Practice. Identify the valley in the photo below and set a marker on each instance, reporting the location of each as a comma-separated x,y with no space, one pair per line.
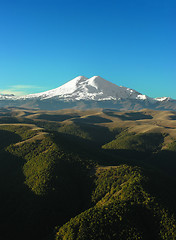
87,174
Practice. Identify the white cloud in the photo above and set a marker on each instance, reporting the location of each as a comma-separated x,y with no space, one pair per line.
20,90
26,87
8,91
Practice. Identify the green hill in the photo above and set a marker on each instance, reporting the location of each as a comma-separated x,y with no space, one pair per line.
85,175
122,210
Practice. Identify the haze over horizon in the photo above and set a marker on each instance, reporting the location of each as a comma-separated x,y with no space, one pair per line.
44,44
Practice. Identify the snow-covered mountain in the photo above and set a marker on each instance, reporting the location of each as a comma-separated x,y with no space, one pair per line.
90,90
82,88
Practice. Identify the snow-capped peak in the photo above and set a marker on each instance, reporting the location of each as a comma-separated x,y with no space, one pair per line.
94,88
82,88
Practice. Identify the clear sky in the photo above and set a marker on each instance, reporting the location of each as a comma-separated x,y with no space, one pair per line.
45,43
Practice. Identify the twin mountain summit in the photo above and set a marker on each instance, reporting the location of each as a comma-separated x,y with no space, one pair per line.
83,93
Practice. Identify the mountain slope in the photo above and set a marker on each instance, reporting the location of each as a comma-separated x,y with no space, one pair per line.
82,88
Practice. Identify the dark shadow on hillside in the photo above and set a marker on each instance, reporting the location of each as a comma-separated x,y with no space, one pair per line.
11,120
98,134
162,161
133,116
7,119
18,204
56,117
5,114
124,156
92,120
173,117
91,151
29,113
49,126
76,144
8,138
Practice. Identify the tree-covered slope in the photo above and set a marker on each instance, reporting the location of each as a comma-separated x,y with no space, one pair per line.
83,177
137,142
41,186
122,209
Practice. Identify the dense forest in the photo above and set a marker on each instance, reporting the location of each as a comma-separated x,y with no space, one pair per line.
82,175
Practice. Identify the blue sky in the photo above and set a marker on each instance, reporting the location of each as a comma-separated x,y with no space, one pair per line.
45,43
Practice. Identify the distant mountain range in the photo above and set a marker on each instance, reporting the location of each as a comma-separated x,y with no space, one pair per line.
82,92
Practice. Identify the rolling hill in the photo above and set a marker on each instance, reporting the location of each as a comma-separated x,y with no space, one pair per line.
87,174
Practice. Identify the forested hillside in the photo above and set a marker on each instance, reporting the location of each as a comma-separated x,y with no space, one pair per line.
97,174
